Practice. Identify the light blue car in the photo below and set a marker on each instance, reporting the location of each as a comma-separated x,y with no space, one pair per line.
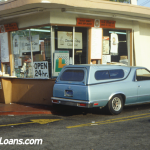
102,85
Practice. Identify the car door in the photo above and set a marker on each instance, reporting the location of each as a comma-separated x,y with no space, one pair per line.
143,84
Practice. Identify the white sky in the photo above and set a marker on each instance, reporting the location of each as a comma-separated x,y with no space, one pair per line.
145,3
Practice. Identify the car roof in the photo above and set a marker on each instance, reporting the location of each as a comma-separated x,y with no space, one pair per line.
105,66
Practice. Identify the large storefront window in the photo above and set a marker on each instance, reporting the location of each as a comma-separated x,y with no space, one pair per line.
31,52
35,49
70,46
116,47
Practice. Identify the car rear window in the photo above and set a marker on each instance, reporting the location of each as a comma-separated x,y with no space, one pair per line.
72,75
109,74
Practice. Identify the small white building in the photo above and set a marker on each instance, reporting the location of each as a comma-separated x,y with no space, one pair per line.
39,37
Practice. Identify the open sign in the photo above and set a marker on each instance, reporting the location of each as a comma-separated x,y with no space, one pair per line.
41,69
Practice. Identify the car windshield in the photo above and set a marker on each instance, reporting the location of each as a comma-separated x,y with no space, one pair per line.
72,75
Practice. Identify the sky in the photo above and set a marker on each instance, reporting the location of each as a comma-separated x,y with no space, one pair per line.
145,3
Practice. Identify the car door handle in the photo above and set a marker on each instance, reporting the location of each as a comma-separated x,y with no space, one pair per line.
139,86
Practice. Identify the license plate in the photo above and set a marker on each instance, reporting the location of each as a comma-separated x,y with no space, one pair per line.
69,93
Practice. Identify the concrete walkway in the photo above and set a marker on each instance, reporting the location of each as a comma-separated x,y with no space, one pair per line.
24,109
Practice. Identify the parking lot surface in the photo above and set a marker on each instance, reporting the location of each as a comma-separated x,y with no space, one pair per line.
77,129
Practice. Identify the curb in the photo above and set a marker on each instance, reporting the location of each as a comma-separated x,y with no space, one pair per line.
25,113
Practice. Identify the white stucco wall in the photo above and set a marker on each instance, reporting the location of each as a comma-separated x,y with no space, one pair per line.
144,45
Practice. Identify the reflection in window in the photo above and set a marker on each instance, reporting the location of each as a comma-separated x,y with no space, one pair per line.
114,74
101,75
72,75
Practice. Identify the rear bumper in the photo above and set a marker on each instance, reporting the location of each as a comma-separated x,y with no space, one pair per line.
72,102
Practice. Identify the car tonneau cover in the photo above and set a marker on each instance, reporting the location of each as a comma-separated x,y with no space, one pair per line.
91,69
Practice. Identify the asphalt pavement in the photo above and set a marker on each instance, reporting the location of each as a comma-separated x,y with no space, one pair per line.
79,129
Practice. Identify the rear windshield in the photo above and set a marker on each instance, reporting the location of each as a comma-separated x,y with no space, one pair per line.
72,75
109,74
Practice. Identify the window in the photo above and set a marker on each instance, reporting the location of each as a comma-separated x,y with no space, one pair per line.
31,46
109,74
102,75
116,47
72,75
142,74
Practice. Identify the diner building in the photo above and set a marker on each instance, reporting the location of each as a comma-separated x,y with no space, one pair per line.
39,37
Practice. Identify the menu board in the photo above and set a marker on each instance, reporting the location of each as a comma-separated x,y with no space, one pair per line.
4,47
96,43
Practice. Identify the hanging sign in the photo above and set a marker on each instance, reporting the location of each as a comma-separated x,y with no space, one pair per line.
41,69
85,22
114,43
4,47
61,59
65,40
107,24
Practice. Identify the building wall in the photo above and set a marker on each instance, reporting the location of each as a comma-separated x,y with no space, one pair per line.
145,44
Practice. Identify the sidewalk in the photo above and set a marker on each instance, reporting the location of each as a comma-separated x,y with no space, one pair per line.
25,109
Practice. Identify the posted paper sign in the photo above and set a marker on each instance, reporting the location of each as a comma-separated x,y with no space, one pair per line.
96,43
105,44
106,59
0,85
26,44
61,59
4,47
16,44
65,40
41,69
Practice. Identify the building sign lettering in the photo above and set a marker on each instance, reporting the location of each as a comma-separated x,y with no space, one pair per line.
107,24
85,22
8,27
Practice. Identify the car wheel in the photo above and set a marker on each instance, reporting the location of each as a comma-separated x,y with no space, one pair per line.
115,105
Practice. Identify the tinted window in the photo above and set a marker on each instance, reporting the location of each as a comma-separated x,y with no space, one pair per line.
109,74
72,75
101,75
116,74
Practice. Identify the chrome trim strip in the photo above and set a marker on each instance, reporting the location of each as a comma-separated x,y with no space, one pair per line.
131,97
70,100
116,94
144,95
137,103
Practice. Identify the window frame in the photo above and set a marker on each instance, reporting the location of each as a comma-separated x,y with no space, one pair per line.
136,74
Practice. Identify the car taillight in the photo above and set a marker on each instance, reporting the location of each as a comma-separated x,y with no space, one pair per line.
81,104
55,101
95,104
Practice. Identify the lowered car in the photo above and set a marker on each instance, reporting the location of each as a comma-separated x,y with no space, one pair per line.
102,85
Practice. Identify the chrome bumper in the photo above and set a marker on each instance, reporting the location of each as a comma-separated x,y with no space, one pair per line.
71,102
